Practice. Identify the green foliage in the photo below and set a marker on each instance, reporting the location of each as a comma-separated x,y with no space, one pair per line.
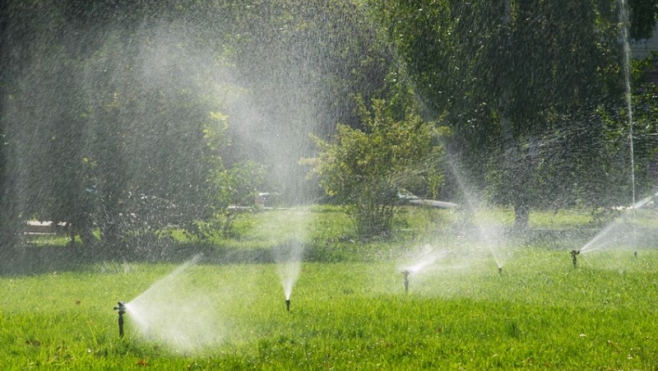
516,83
643,14
149,151
118,134
129,122
301,64
366,170
117,114
238,192
645,129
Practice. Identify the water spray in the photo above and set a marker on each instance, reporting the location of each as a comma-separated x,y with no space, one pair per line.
288,305
574,254
121,307
405,273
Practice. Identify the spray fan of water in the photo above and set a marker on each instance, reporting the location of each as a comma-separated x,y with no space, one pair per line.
437,264
289,260
177,313
621,232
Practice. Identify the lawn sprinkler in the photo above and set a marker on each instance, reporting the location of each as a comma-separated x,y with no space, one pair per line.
574,254
288,305
635,253
405,273
121,307
500,270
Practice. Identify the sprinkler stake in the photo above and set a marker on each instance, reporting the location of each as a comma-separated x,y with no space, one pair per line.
405,273
288,305
635,253
574,253
500,270
121,307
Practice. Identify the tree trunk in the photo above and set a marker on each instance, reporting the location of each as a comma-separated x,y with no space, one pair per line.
521,215
109,225
86,232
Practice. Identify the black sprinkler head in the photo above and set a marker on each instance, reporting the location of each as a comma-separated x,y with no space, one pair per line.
500,270
405,273
288,305
574,254
121,307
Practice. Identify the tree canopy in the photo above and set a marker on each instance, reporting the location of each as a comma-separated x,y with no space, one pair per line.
368,170
126,118
518,82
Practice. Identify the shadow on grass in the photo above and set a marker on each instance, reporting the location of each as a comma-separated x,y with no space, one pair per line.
575,238
31,259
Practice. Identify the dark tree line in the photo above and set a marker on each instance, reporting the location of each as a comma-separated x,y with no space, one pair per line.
534,92
124,118
111,127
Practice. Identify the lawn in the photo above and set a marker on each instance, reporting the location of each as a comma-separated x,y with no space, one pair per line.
459,314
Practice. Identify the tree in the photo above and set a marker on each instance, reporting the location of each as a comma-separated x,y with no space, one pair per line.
27,145
643,15
365,170
8,215
509,76
644,123
157,132
301,64
121,125
238,190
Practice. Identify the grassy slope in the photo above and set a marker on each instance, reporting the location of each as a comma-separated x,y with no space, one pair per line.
540,314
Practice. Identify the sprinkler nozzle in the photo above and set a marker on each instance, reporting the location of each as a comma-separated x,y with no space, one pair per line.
121,307
635,253
500,270
288,305
574,254
405,273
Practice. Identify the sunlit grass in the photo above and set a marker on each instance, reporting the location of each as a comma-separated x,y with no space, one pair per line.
541,313
350,311
50,240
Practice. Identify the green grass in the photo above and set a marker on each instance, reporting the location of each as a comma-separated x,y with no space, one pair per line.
349,309
539,314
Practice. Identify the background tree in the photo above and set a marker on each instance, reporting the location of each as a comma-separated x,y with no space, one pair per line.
127,130
136,116
158,130
301,64
366,170
239,187
643,15
9,215
645,127
510,76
